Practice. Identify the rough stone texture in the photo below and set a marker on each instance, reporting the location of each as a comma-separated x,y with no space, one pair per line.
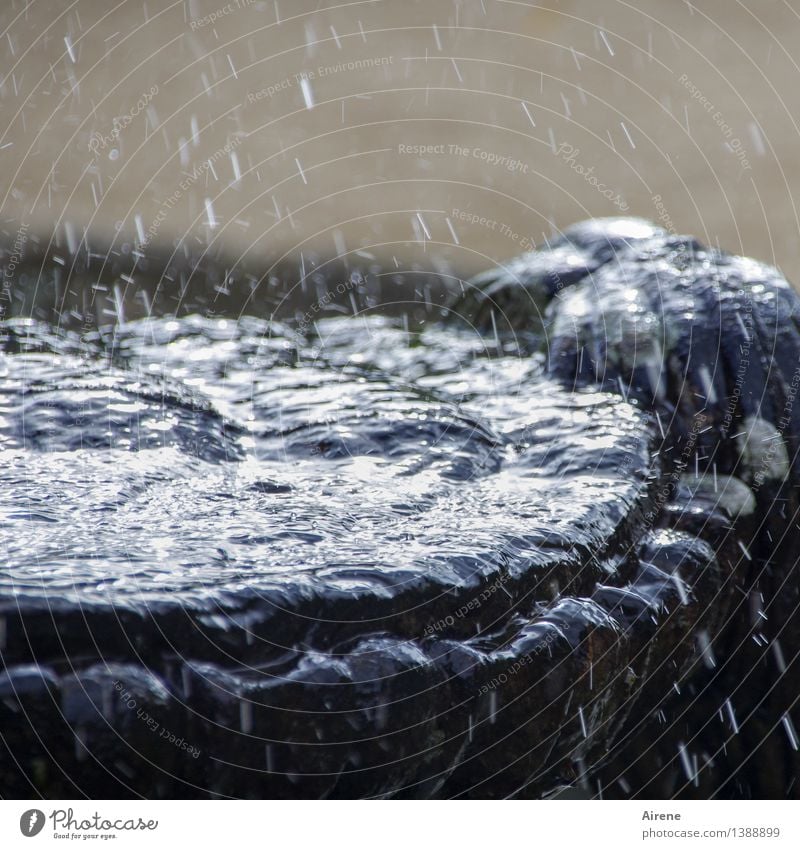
242,563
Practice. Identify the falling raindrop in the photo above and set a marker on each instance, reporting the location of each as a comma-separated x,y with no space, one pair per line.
452,231
210,215
779,659
308,94
605,41
706,649
791,733
732,716
627,135
681,587
70,49
245,716
527,112
685,761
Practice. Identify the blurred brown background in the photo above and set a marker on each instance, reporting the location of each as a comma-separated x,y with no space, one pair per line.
284,127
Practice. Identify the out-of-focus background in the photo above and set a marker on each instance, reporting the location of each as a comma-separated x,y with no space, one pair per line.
455,133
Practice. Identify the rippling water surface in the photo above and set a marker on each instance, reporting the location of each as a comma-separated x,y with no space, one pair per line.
211,459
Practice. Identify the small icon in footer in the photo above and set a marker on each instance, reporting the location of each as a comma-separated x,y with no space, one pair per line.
31,822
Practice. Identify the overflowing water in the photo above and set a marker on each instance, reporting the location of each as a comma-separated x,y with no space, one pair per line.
193,458
492,556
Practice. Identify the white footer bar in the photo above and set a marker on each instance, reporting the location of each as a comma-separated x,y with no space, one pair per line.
400,825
